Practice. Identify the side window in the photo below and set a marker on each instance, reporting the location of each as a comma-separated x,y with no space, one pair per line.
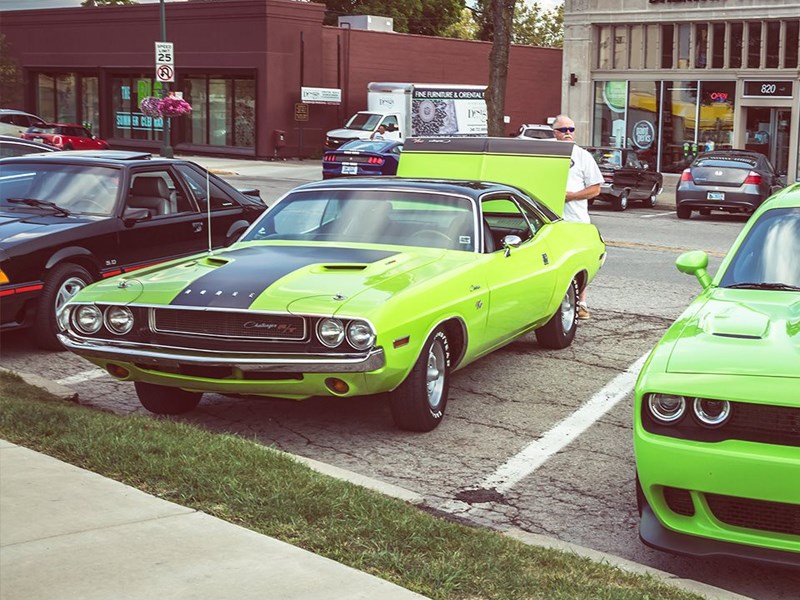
502,217
159,193
631,161
391,123
199,187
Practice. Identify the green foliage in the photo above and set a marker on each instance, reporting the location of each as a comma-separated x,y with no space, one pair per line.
425,17
533,26
269,492
10,76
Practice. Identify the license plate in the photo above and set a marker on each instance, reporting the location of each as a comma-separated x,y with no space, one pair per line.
716,196
349,169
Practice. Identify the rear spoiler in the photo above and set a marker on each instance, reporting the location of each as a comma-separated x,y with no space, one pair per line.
538,167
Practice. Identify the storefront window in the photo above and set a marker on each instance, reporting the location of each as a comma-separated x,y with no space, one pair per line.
792,46
678,118
754,45
773,44
66,108
604,48
735,47
610,100
667,45
46,97
129,122
223,111
684,47
642,120
637,47
718,50
90,104
620,47
701,46
651,48
717,102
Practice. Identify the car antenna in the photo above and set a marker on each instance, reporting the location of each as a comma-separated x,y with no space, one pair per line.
208,209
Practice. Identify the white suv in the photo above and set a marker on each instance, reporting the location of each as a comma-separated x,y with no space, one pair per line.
16,122
536,132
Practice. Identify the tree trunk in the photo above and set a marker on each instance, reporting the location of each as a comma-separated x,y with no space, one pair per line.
502,14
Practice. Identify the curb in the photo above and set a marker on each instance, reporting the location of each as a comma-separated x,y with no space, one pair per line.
532,539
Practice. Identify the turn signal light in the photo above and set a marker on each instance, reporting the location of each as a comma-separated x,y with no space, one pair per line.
337,386
117,371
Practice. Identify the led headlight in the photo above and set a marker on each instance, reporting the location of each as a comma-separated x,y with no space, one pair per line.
119,319
330,332
666,408
360,335
88,318
711,413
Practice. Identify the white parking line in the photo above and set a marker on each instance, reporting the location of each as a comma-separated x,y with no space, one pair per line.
664,214
536,453
82,376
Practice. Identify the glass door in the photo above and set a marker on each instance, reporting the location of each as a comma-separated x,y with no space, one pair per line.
768,133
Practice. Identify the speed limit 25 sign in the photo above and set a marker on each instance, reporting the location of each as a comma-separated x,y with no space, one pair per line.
165,62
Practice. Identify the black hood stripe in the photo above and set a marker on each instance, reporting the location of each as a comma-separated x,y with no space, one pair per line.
252,270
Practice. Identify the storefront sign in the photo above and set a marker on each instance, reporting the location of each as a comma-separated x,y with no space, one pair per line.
768,89
313,95
300,111
677,1
615,95
643,134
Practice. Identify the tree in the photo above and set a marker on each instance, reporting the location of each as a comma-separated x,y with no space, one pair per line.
533,25
502,20
10,76
425,17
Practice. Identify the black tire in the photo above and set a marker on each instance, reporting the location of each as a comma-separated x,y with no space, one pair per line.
418,404
684,213
559,331
652,199
621,201
163,400
61,284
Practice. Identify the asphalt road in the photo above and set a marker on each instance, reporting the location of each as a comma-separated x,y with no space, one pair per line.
475,464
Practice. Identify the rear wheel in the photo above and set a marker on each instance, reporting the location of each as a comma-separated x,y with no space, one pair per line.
61,284
621,201
163,400
559,331
683,212
418,404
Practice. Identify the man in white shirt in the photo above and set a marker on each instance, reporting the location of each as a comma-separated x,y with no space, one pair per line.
583,182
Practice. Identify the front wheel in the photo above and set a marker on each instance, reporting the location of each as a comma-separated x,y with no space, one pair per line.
61,284
559,331
653,198
163,400
621,201
418,404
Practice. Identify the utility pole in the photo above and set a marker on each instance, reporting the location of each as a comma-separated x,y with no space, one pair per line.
166,148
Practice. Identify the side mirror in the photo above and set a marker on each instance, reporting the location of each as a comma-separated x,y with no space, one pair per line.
509,242
695,263
134,215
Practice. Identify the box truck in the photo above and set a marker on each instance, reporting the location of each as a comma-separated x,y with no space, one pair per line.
416,110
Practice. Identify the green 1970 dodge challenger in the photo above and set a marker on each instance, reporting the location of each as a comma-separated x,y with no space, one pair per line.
352,287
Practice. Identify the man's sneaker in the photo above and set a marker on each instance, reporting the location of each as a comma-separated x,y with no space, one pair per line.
583,312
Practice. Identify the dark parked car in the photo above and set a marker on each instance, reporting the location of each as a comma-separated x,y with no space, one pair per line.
735,181
65,136
627,178
362,157
14,146
70,218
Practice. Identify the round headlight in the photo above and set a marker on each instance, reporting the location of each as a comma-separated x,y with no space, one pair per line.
119,319
711,413
666,408
88,318
360,335
330,332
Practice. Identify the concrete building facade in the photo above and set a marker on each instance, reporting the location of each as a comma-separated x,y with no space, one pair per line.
671,78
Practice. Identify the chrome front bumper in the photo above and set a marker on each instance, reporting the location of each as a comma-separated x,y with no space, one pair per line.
141,354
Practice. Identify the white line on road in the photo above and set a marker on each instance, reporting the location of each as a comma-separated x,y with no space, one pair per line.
664,214
82,376
538,452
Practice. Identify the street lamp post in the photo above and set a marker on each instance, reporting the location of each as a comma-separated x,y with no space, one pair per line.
166,148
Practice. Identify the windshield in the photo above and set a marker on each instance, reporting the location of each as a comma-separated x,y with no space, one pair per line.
77,188
769,254
403,218
363,122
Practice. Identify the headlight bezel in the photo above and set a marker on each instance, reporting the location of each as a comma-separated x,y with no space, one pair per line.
75,319
107,319
369,340
701,417
662,417
334,324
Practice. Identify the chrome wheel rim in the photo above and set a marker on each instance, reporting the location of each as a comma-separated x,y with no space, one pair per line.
436,373
568,307
68,289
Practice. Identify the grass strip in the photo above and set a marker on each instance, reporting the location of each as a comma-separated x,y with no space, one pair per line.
246,483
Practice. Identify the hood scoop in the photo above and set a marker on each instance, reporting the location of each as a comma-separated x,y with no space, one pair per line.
736,321
343,267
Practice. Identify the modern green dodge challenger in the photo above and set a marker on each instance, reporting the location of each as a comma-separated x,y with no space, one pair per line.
353,287
717,407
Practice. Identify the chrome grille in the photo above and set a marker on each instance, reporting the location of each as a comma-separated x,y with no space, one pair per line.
226,324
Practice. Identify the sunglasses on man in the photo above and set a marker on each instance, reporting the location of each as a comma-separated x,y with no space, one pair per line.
565,129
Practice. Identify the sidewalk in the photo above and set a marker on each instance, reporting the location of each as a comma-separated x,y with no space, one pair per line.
71,534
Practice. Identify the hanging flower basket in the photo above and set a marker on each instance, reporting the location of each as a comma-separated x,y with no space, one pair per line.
150,106
174,107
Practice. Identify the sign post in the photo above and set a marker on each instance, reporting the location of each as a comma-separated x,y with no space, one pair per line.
165,73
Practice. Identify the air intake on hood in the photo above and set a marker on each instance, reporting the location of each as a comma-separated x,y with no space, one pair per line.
344,267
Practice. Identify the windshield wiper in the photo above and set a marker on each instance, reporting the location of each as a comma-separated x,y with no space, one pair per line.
763,286
40,204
